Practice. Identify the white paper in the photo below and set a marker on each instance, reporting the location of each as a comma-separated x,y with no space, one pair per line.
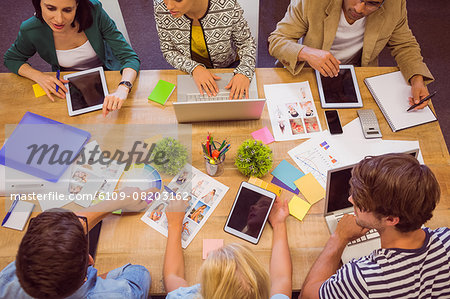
19,216
292,111
198,188
325,151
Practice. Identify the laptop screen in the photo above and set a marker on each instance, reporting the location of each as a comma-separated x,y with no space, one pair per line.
338,189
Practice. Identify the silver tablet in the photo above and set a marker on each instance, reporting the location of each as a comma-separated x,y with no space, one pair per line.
341,91
249,213
87,91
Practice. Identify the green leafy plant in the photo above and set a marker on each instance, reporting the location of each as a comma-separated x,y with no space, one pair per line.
254,158
175,155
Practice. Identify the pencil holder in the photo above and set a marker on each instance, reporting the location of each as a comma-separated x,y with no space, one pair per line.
214,167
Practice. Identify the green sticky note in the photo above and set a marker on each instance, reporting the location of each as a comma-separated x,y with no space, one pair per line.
161,92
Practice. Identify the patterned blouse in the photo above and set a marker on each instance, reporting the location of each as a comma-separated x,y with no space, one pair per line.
226,32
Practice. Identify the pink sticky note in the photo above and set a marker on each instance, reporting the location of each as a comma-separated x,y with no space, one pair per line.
211,245
264,135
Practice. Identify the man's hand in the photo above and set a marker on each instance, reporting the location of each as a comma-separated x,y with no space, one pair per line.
320,60
114,101
280,209
348,230
132,199
238,86
206,80
419,91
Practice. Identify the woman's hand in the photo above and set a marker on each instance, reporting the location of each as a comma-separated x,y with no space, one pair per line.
114,101
238,86
206,80
49,83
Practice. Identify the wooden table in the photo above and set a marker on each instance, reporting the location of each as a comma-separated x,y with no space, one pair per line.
126,239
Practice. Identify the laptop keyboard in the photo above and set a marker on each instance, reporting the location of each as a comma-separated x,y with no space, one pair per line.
197,97
371,234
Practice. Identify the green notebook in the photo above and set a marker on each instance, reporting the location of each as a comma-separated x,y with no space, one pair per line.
161,92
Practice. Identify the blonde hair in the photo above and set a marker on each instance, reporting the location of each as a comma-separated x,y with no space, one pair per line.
233,272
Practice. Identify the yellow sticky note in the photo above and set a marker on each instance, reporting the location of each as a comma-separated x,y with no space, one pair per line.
38,91
298,207
310,188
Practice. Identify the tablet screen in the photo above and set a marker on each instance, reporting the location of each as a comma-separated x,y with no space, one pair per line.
249,213
339,89
86,91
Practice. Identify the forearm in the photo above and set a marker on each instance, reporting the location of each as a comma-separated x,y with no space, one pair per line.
173,271
324,267
280,262
29,72
96,213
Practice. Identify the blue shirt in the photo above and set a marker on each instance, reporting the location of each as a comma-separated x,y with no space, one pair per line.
129,281
192,292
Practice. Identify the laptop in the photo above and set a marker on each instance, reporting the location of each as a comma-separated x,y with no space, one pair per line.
191,106
337,205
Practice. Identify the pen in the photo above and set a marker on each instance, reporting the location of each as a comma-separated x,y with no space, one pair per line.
10,210
422,100
58,73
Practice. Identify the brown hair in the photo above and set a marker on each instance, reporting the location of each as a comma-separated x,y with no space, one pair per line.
395,185
53,258
83,14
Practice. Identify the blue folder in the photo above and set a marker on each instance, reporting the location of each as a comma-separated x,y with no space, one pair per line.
42,147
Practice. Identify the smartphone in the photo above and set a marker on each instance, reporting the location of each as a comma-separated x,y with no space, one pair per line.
333,121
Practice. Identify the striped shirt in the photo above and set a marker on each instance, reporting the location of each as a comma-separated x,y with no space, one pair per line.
396,273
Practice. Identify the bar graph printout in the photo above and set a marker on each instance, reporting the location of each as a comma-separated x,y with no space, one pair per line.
316,156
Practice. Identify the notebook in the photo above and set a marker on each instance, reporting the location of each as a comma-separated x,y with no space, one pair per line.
162,91
19,215
42,147
391,93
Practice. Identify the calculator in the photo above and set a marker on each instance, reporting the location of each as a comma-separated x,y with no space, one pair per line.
369,123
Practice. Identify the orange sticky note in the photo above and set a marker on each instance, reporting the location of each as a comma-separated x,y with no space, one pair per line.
298,207
268,186
310,188
38,91
211,245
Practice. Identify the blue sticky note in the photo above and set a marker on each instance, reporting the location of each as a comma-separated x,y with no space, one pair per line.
287,173
283,185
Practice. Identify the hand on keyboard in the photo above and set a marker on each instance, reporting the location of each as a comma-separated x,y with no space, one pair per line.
205,80
348,230
238,87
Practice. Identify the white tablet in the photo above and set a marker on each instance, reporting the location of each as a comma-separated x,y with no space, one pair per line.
249,213
341,91
87,91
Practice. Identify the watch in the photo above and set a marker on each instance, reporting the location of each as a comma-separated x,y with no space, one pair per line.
127,84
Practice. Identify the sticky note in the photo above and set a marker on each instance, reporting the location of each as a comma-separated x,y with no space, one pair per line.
264,135
287,173
38,91
310,188
162,91
267,186
298,207
279,183
211,245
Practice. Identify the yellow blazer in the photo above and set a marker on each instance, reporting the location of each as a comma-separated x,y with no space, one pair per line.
317,22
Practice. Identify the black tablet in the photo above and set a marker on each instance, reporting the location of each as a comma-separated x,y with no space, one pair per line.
87,91
249,213
341,91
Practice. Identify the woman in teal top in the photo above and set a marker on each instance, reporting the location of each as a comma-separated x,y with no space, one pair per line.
74,32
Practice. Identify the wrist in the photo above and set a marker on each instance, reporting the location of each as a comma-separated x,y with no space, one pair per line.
338,240
303,54
124,89
416,79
